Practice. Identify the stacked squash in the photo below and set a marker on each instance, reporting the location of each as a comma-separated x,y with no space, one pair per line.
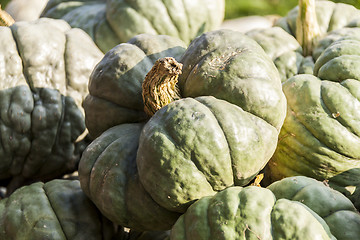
43,81
320,135
179,131
116,21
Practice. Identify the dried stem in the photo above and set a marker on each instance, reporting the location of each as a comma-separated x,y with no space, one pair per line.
5,18
159,87
307,27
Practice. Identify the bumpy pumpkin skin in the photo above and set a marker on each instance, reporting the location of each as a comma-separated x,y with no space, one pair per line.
320,135
55,210
109,177
293,208
43,80
194,146
112,22
115,84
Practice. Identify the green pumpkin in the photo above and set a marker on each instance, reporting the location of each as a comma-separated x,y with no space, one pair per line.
116,21
293,208
57,210
221,133
280,42
43,80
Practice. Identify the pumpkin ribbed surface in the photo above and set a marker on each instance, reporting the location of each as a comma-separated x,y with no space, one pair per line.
116,21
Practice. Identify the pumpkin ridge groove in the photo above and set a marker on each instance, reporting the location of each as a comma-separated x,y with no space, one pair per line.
327,110
309,161
142,15
54,211
172,20
225,137
190,154
339,119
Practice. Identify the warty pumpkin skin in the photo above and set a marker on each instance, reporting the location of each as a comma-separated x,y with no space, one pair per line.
116,21
57,210
293,208
216,136
320,135
43,80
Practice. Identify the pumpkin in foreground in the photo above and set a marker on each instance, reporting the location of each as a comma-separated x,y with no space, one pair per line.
43,81
116,21
293,208
56,210
220,132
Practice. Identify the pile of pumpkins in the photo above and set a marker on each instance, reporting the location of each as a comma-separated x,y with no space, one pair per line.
178,129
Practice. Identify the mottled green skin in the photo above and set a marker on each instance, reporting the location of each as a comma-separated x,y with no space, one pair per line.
221,133
43,80
116,21
231,66
56,210
198,146
293,208
320,137
249,213
284,50
109,177
337,211
115,92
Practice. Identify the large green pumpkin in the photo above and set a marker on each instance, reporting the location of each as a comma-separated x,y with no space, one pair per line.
56,210
116,21
293,208
221,133
44,71
320,135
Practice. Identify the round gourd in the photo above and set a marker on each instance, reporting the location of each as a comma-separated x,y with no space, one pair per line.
320,135
43,80
116,21
294,208
57,210
220,133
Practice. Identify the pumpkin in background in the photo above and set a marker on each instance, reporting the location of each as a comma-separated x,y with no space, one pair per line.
43,80
25,10
116,21
320,137
281,44
57,209
293,208
220,133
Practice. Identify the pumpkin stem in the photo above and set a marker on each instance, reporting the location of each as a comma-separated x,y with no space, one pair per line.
307,27
159,87
5,18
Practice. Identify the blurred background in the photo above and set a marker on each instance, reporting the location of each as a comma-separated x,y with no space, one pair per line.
239,8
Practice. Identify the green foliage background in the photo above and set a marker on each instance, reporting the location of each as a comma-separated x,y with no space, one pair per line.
238,8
